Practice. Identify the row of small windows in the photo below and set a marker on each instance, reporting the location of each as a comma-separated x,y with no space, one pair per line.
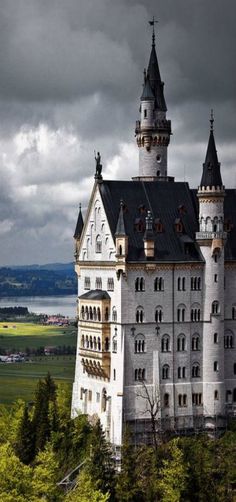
89,313
94,343
196,398
195,313
181,343
98,283
181,371
139,374
159,284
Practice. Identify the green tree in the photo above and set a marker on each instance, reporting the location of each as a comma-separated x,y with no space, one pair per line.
85,491
15,477
100,465
45,477
24,447
173,474
126,485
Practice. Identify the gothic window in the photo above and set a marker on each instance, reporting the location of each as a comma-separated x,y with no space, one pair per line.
87,342
139,344
90,313
114,344
139,284
166,400
99,343
158,314
215,308
114,314
139,374
216,395
181,343
195,342
94,313
181,372
165,372
181,313
165,343
228,341
106,314
234,312
215,337
87,283
178,226
94,343
182,400
216,366
195,314
181,283
98,283
195,370
159,284
107,344
98,244
99,314
195,283
197,399
82,341
158,226
82,312
110,284
90,342
139,315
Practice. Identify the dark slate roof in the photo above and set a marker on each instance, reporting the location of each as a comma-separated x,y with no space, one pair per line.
95,294
163,199
147,91
155,81
79,225
211,168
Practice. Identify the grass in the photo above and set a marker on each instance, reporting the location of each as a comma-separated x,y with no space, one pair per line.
19,335
18,380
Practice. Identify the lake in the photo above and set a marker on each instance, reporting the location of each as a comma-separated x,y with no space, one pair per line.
64,305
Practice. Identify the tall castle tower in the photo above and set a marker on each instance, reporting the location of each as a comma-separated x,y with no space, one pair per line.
153,130
211,239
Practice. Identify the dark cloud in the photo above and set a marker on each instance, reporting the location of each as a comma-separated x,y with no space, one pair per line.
70,82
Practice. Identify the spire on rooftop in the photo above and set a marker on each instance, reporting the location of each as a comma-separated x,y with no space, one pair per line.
211,175
154,74
120,227
79,225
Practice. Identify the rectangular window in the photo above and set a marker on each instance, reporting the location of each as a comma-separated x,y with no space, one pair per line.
110,284
81,393
87,283
98,397
90,395
98,283
215,278
114,374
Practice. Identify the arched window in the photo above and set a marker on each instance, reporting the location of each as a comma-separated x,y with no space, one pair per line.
107,344
181,283
82,341
158,314
139,284
86,313
87,342
159,284
99,314
165,372
90,313
195,342
139,374
228,340
139,344
216,395
182,400
139,315
94,313
106,314
99,343
94,343
216,366
195,370
98,244
215,308
181,313
165,343
181,372
215,337
82,312
181,343
195,314
166,400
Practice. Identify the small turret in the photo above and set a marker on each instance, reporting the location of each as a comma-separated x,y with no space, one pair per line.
153,130
121,241
211,175
78,231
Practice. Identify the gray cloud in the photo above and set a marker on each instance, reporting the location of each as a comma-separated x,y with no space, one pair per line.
70,82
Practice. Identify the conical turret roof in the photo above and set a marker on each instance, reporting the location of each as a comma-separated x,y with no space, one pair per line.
79,225
155,80
120,227
211,175
147,90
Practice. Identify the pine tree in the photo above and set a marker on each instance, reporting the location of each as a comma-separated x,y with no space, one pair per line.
126,486
24,447
101,464
40,422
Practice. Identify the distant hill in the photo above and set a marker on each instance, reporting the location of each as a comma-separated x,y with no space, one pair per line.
38,280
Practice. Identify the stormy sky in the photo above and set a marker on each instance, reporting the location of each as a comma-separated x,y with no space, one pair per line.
70,81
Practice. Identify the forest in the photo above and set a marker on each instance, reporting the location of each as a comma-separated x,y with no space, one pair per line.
40,445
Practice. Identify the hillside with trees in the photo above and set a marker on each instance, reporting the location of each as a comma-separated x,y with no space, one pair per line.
43,445
45,280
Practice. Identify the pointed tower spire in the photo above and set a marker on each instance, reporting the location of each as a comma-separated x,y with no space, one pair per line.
120,227
211,175
79,225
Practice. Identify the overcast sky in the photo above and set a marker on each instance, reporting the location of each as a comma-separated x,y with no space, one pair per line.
70,81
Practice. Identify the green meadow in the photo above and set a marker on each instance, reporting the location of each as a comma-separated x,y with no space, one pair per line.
18,380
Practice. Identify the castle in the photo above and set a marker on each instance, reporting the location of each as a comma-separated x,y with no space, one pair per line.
156,266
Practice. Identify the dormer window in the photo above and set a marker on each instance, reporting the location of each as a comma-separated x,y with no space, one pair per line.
139,225
227,225
158,226
178,226
98,244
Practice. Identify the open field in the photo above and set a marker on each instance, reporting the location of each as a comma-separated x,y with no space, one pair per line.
19,335
18,380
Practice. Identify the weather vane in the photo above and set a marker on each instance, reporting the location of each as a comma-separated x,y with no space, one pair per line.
152,23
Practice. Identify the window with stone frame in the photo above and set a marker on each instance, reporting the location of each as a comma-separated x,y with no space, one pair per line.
197,399
181,343
165,343
228,340
158,314
87,283
110,284
195,283
140,284
195,342
215,308
181,283
98,283
196,370
139,344
139,315
159,284
195,314
181,313
166,400
181,372
139,374
165,372
216,366
98,246
182,400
